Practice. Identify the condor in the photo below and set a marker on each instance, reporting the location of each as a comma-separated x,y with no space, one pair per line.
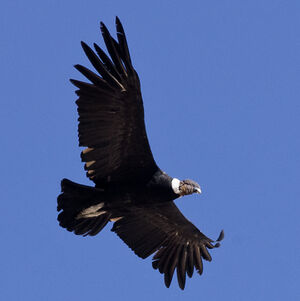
130,189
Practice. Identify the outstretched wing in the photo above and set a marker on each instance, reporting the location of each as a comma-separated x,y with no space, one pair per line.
111,115
164,230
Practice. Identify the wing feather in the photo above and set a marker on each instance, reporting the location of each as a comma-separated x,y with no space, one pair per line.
94,78
164,231
190,261
171,267
111,115
124,46
100,67
107,62
115,56
198,260
181,268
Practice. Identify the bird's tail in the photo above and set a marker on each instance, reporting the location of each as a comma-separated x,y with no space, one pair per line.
83,209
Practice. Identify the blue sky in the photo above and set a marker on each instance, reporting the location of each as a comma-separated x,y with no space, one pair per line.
220,82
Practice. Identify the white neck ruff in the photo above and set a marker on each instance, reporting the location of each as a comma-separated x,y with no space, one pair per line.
175,185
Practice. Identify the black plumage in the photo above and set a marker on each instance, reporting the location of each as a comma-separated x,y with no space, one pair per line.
130,189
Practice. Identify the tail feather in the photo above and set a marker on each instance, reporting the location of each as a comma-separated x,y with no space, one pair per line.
82,209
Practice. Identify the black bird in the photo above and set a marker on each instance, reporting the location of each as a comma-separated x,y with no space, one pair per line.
130,189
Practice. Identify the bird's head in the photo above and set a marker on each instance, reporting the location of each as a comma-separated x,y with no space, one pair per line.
185,187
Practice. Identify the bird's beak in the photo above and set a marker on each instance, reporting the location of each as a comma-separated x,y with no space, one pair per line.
198,190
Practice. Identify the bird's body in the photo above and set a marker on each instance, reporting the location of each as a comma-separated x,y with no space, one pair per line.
130,189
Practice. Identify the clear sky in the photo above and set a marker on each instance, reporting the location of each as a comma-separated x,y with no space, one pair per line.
220,82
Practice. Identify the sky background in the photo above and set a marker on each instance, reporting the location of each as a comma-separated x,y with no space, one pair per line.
220,82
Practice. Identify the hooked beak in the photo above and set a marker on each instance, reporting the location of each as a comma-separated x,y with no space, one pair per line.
198,190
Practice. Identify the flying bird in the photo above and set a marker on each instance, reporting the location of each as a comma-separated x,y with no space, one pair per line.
130,189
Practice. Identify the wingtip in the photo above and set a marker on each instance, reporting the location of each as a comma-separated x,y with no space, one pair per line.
72,81
119,24
86,48
83,44
181,279
181,286
103,27
167,280
221,236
